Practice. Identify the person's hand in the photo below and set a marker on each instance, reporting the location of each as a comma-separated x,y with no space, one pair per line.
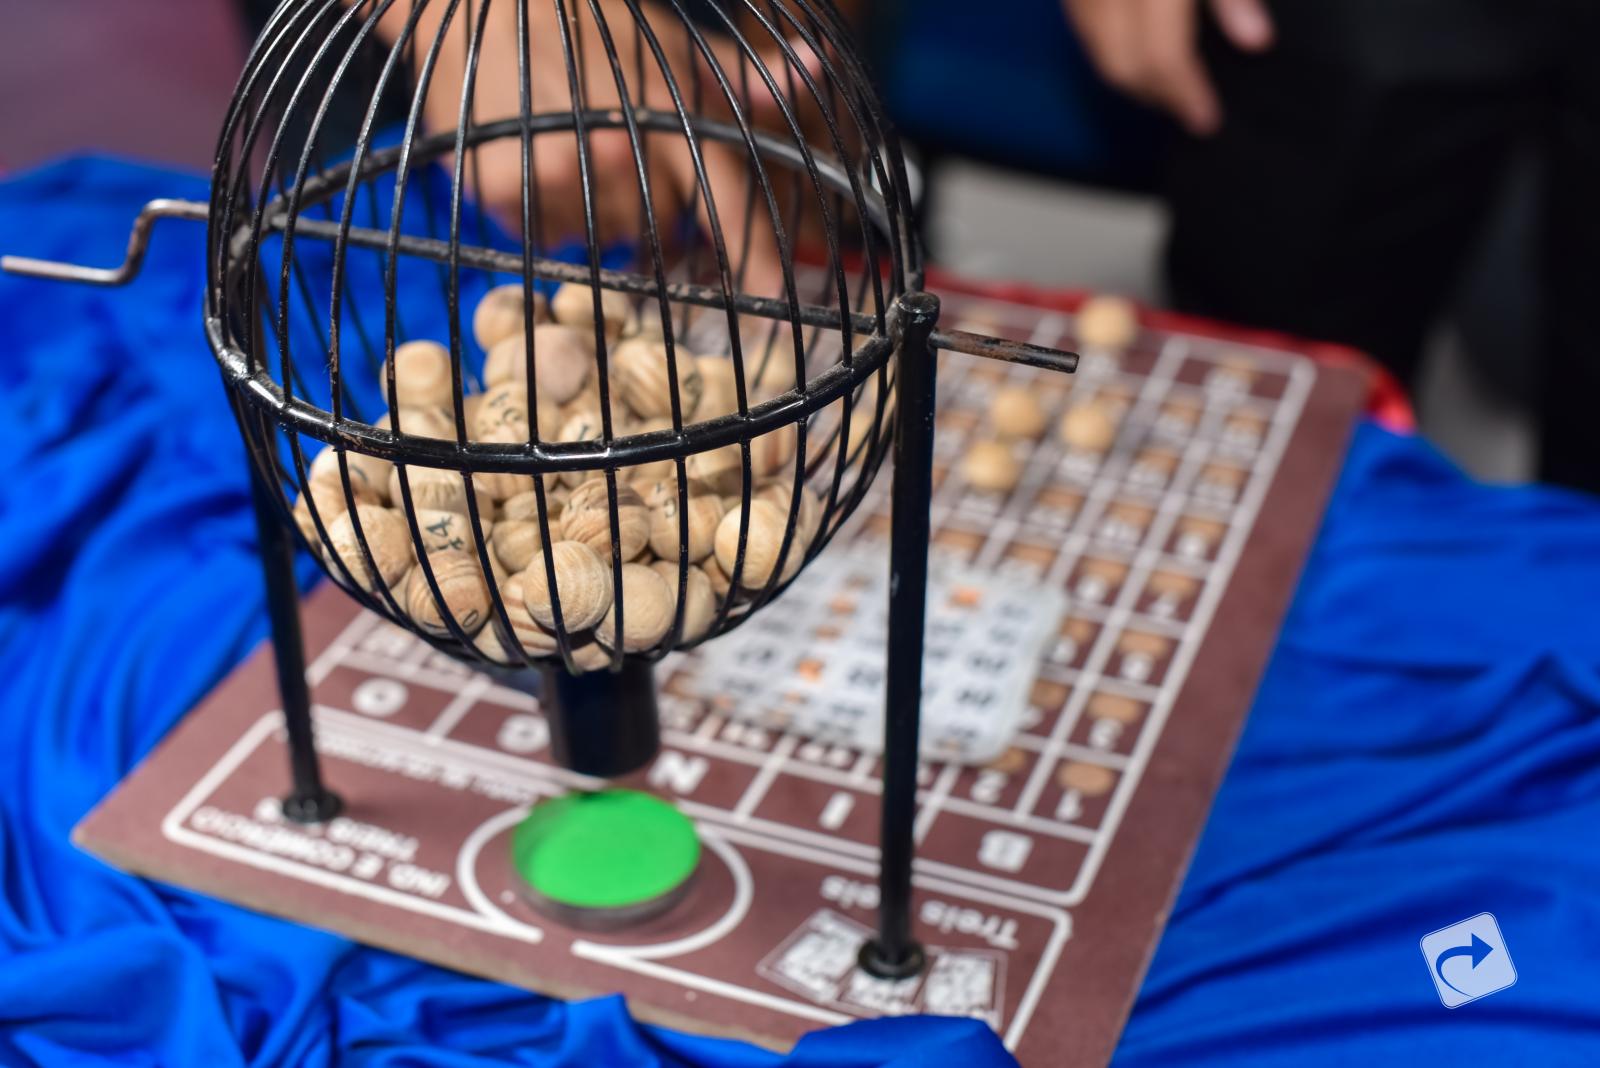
495,168
1148,48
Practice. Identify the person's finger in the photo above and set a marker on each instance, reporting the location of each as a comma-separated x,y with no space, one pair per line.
1246,23
1175,75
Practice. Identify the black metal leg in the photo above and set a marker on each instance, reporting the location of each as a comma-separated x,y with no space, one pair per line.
309,801
894,954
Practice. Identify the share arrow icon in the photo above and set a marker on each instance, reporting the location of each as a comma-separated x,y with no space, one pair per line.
1489,969
1478,950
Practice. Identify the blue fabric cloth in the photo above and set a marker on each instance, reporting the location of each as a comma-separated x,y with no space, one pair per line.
1423,749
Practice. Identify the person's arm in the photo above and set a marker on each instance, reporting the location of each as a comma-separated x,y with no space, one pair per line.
1149,49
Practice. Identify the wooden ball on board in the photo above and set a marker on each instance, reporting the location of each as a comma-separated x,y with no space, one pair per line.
461,586
647,611
500,314
573,305
562,362
704,512
1088,427
763,541
699,600
1107,323
422,375
583,581
587,518
639,374
1015,412
387,537
991,466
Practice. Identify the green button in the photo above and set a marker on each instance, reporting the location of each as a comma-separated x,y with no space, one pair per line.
611,849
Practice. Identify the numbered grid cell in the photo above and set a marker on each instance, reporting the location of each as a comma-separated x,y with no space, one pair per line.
1124,525
1054,509
1220,485
1196,538
1097,580
1047,861
1151,470
958,543
1077,792
1242,434
838,810
1028,559
1045,701
1228,380
1169,595
1176,421
999,783
1141,657
402,702
1075,639
1110,723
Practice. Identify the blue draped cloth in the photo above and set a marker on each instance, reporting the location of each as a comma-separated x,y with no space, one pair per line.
1423,749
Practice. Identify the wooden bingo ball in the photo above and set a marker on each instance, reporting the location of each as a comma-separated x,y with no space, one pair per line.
1015,412
763,542
438,490
647,611
499,314
770,452
587,518
387,537
573,305
534,639
562,362
461,587
991,466
516,543
442,529
639,373
369,475
704,512
721,469
1107,323
422,375
1088,780
583,581
699,600
719,392
429,422
1088,427
780,493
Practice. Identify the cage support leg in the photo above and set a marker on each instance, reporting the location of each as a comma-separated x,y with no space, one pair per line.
894,954
309,801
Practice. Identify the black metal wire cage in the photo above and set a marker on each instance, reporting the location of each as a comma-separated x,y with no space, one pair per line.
715,364
566,332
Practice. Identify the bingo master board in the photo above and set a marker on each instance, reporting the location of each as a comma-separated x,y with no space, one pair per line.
1096,636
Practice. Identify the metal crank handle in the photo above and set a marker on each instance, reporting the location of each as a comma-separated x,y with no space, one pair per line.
138,242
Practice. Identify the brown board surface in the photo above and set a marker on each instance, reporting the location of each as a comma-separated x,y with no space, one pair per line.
1043,880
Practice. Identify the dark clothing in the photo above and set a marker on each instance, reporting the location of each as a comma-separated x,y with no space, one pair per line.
1359,160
